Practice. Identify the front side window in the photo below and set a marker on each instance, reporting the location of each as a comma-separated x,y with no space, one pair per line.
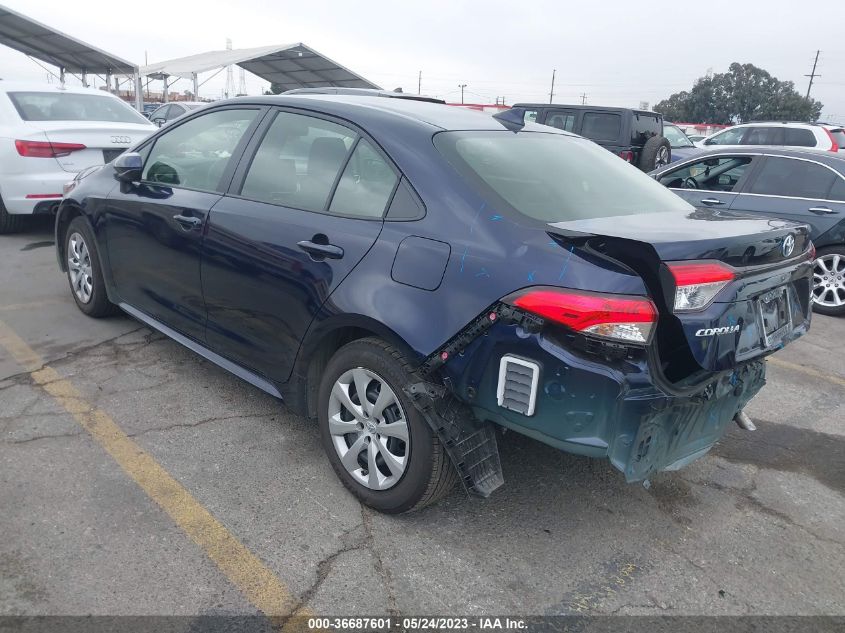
793,178
561,120
366,185
601,126
553,177
731,136
194,155
710,174
69,106
298,161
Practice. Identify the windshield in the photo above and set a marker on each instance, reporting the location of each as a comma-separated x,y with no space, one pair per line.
68,106
553,177
676,136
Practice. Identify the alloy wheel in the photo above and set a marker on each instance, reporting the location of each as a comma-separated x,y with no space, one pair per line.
829,280
79,268
369,429
662,157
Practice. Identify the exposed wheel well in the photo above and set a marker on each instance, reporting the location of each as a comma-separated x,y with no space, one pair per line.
307,379
63,220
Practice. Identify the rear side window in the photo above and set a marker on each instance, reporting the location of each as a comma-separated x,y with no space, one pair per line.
553,177
795,178
798,137
732,136
530,116
67,106
601,126
194,155
366,185
763,136
298,161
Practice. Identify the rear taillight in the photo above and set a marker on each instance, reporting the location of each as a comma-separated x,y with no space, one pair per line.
834,146
627,155
698,283
619,317
45,149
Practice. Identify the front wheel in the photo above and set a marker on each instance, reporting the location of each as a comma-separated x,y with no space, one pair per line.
379,445
829,281
84,274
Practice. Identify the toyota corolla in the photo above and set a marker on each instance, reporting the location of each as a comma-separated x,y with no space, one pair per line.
414,276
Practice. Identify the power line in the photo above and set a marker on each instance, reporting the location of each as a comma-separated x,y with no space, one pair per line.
813,74
552,93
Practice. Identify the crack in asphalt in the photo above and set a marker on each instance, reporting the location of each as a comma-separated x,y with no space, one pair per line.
380,567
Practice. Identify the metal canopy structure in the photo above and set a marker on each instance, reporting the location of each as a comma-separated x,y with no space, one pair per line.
291,66
54,47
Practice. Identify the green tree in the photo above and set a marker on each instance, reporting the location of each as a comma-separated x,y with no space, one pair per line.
744,93
276,89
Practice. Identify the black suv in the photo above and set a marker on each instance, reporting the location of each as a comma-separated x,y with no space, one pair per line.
634,135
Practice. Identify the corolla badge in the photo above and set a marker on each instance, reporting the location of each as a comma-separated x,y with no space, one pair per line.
788,245
714,331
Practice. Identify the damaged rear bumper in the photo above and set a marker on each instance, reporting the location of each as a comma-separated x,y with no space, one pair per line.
600,402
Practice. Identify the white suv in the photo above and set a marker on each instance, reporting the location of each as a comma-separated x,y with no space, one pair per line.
808,135
48,134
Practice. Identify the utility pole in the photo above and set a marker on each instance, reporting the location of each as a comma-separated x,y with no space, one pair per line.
583,98
419,83
462,86
552,92
813,74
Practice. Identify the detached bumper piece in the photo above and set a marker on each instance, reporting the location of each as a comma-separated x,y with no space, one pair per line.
471,444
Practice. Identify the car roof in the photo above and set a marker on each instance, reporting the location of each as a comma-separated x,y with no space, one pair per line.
831,159
24,86
423,113
584,107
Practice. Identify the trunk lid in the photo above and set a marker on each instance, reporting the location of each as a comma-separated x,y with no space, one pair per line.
103,141
765,306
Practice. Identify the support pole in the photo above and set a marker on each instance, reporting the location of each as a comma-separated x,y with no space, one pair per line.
62,76
164,93
196,87
84,79
139,94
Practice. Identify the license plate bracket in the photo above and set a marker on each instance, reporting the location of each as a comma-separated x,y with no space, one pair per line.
775,314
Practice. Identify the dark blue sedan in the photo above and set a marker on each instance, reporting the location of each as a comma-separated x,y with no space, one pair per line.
413,275
802,185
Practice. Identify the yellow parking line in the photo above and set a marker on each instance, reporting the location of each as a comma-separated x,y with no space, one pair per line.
810,371
258,584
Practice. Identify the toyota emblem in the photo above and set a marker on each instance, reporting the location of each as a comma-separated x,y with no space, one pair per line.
788,245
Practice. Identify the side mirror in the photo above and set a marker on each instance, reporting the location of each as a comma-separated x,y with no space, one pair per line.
158,122
128,166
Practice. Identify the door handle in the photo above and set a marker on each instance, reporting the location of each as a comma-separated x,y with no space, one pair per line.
822,210
319,251
711,201
188,222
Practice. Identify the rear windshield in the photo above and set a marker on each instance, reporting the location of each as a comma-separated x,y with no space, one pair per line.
553,177
65,106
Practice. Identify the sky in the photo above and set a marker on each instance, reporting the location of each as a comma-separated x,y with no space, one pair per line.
607,53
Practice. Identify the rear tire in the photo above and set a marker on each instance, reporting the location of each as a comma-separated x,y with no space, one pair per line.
656,152
410,473
84,275
829,281
11,223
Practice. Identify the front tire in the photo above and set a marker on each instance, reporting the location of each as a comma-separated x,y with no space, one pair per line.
829,281
84,275
380,446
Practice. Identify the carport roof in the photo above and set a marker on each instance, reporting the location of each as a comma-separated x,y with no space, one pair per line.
291,66
54,47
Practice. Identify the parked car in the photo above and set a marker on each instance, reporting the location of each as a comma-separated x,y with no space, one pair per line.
169,111
413,275
800,185
634,135
682,146
807,135
49,133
